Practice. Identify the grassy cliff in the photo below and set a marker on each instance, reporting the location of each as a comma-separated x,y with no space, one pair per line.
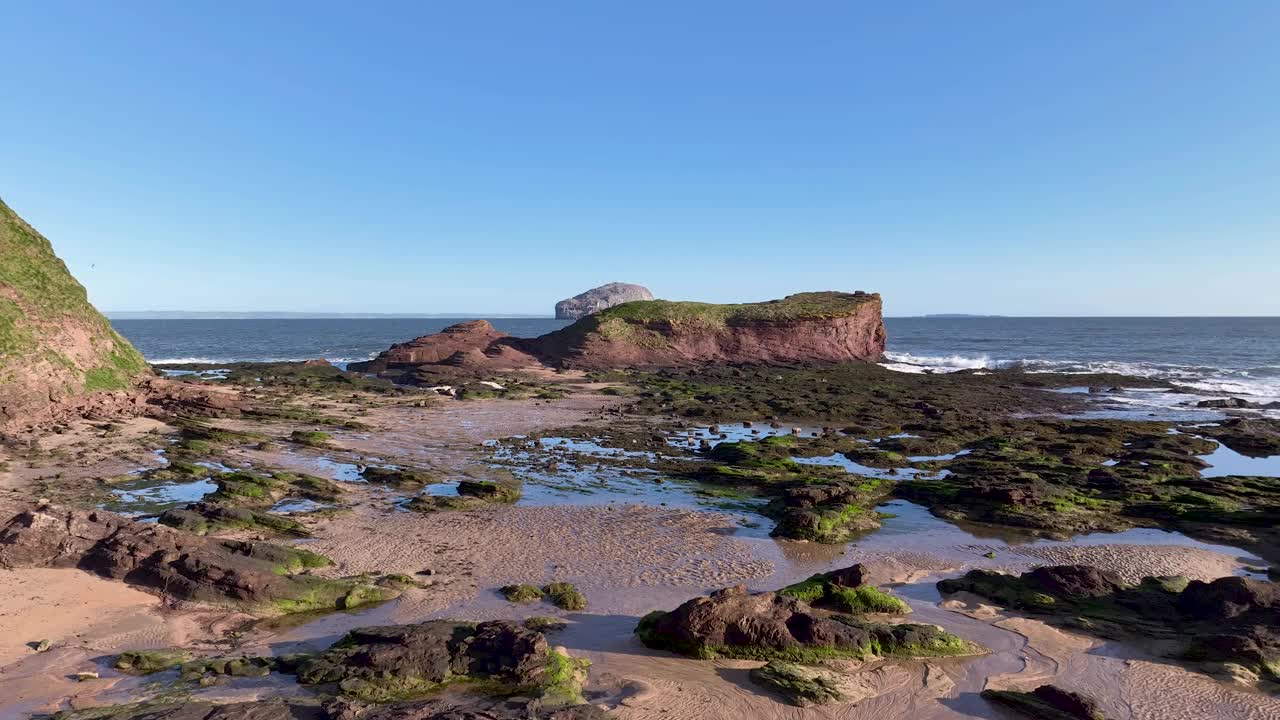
805,327
53,344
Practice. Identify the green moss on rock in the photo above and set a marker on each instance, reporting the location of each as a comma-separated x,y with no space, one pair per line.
565,596
521,593
146,662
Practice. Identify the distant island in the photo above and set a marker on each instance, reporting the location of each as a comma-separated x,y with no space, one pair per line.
961,315
269,315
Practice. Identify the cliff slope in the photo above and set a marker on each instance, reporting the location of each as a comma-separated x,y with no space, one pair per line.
597,299
800,328
54,346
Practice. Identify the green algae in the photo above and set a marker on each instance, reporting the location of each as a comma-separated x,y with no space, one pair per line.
565,596
521,593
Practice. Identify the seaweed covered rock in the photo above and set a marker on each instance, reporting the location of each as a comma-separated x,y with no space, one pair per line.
1048,702
1254,437
768,625
472,494
400,477
845,590
382,664
1230,620
565,596
801,685
243,500
146,662
254,575
832,513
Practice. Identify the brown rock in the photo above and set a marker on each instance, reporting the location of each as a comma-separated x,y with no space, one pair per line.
166,561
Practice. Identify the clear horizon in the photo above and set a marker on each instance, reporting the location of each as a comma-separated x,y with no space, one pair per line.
1082,160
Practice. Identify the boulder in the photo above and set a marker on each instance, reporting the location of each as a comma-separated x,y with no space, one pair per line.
597,299
379,664
769,625
1076,581
1048,702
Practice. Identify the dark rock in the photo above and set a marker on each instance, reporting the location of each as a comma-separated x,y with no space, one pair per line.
768,625
1229,598
1224,403
243,573
1071,703
1048,702
1084,581
379,664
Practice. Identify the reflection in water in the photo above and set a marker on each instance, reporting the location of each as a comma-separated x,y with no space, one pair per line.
1225,461
152,497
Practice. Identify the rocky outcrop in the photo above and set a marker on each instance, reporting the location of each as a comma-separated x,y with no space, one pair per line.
770,625
597,299
384,663
830,327
475,343
803,328
54,346
253,575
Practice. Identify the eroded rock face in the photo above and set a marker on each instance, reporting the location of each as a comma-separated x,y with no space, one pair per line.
814,327
54,346
597,299
768,625
821,327
154,557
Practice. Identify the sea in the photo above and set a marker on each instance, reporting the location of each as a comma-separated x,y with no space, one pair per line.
1207,357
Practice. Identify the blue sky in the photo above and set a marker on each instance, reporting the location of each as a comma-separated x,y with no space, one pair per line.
1026,158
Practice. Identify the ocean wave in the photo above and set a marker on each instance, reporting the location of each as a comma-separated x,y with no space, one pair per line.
1260,383
941,363
224,360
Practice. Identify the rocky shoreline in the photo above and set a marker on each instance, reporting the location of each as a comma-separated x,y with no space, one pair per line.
949,444
665,509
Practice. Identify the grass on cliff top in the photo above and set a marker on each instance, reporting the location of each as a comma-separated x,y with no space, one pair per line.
792,307
36,289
